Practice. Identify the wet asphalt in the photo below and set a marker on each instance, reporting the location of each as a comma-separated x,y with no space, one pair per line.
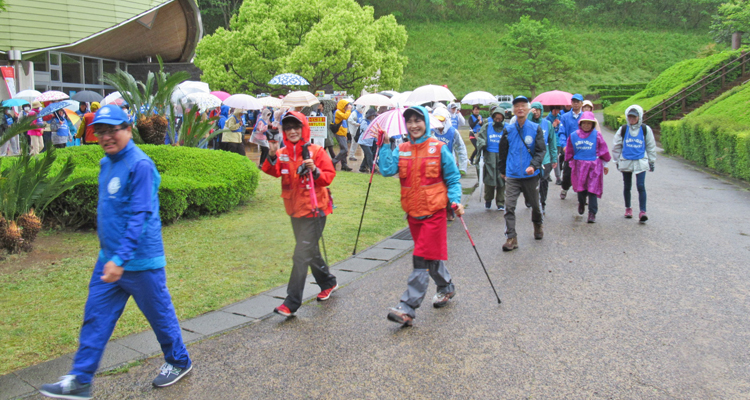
615,309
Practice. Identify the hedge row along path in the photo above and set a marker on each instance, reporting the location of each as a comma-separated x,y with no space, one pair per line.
613,310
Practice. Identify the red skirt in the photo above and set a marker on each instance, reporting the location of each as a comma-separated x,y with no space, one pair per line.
430,236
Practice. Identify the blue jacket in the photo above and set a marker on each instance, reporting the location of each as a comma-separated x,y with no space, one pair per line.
388,161
128,221
223,115
569,125
514,155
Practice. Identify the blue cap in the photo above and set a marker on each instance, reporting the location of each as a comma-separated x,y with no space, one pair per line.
519,99
110,115
577,97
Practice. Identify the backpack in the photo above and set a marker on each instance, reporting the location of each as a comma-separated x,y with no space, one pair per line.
624,127
333,126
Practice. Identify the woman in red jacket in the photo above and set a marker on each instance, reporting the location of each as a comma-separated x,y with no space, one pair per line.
307,223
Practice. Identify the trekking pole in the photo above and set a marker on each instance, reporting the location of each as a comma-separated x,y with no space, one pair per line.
313,196
481,177
480,258
367,196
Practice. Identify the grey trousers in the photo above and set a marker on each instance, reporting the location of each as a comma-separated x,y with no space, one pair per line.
343,151
419,279
307,232
513,189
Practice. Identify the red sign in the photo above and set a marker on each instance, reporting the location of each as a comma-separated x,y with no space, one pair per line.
9,76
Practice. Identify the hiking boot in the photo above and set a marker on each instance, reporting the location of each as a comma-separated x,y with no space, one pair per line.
441,299
642,217
352,158
538,232
283,310
345,167
326,294
510,244
581,208
400,317
563,194
501,207
628,212
592,218
169,374
67,388
558,182
487,205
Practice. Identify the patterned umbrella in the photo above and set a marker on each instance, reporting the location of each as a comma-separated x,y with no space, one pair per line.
288,80
28,95
221,95
392,122
243,102
52,95
300,99
204,101
54,107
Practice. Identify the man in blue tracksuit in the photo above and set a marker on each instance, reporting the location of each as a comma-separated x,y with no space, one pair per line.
522,150
569,124
131,261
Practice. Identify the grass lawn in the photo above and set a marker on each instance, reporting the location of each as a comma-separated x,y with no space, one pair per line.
212,262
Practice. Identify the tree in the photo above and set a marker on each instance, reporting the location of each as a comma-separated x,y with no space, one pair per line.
329,42
532,55
216,13
731,17
3,6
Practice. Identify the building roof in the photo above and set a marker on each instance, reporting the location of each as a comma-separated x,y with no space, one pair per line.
131,30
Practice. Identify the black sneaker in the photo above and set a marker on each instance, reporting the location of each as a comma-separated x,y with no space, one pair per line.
501,207
67,388
169,374
487,205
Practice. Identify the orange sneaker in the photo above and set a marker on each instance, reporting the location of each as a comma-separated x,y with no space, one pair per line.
283,310
326,294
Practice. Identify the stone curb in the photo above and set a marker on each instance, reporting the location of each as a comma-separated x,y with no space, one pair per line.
26,382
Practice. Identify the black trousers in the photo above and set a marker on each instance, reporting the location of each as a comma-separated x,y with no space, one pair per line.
544,184
307,233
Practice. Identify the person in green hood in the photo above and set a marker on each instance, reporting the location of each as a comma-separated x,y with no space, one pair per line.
488,146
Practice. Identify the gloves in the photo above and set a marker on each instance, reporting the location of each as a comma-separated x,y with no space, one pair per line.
651,167
381,137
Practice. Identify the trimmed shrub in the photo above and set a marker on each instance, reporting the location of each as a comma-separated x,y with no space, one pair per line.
194,182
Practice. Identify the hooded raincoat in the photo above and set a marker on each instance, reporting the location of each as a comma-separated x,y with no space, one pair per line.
294,189
640,142
342,117
587,174
491,156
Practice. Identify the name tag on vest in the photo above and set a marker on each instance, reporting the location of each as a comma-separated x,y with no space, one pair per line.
404,153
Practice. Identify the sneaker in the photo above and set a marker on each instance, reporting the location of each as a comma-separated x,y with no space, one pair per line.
510,244
169,375
345,168
642,217
400,317
538,231
581,208
501,207
592,218
563,194
283,310
352,158
488,205
528,205
326,294
628,212
558,182
441,299
67,388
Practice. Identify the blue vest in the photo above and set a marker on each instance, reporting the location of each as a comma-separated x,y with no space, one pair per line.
476,127
63,129
8,119
114,210
519,157
569,125
584,149
448,136
241,127
454,120
633,148
493,139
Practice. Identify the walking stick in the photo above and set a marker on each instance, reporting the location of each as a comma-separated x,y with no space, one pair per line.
481,176
367,196
480,258
313,196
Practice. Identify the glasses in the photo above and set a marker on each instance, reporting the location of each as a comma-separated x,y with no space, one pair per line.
107,132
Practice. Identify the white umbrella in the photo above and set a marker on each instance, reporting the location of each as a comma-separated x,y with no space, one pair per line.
375,100
300,99
188,87
28,95
112,98
270,101
204,101
480,98
400,99
389,93
243,102
430,93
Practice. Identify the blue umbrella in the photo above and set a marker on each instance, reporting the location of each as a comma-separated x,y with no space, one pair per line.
14,103
55,106
288,80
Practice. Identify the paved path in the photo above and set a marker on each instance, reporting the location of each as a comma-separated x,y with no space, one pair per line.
614,309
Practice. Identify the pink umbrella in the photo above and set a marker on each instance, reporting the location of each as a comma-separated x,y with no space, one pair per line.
221,95
52,95
554,98
392,122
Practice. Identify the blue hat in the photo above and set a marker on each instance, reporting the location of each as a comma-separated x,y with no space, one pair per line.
577,97
519,99
110,115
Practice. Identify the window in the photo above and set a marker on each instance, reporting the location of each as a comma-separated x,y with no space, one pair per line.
54,59
110,67
55,75
39,60
71,68
91,71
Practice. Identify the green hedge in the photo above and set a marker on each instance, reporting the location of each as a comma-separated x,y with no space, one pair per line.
194,182
621,86
716,142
